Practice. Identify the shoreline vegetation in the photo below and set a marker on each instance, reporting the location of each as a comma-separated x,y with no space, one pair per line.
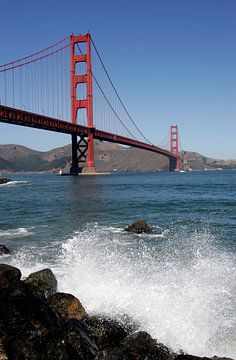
39,323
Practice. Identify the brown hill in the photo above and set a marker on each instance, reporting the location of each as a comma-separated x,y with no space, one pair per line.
108,157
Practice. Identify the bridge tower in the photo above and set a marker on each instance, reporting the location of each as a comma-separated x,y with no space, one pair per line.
82,151
174,147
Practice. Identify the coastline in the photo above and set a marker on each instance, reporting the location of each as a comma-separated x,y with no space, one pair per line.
37,322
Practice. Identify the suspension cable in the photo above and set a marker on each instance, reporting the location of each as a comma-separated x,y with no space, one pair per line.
111,107
34,60
36,53
104,68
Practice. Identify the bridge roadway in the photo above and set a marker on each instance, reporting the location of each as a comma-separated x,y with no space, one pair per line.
24,118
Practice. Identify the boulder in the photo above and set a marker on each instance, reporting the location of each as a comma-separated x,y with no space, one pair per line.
184,356
67,306
140,226
106,332
4,180
42,283
66,342
139,346
31,329
3,355
4,250
9,276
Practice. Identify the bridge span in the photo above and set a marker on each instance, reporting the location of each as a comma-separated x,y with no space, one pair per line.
61,91
24,118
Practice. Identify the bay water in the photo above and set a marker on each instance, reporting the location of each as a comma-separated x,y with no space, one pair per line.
178,283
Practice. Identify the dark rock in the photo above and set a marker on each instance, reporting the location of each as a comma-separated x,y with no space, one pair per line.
9,275
140,226
4,180
115,353
192,357
67,306
3,355
106,332
139,346
42,283
66,342
4,250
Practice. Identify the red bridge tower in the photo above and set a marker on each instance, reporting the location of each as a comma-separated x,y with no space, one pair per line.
82,151
174,147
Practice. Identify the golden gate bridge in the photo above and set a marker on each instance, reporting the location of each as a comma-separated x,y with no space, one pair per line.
66,88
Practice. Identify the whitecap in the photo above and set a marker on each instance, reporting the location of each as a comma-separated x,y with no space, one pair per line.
18,232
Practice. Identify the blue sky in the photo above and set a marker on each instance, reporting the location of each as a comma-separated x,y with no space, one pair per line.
172,61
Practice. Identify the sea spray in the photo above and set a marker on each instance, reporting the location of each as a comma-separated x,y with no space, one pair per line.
180,288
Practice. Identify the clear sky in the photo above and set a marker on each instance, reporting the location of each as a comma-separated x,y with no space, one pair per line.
172,61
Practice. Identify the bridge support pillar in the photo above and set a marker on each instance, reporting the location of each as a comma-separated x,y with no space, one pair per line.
79,155
172,164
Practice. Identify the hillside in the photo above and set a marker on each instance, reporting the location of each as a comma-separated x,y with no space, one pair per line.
16,158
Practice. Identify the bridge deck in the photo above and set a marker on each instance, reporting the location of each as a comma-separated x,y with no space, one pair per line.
25,118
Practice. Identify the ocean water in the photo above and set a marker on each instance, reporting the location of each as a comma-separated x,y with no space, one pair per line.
179,285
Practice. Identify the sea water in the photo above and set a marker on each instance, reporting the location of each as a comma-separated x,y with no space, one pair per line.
177,283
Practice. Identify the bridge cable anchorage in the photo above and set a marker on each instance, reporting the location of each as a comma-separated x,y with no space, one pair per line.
111,107
36,53
122,104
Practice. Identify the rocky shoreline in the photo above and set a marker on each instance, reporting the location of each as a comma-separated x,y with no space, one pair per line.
39,323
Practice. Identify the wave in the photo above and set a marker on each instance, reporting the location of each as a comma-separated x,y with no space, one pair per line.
17,232
180,289
16,182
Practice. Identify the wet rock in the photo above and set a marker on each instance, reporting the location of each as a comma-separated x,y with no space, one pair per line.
4,250
139,346
106,332
184,356
9,275
42,283
4,180
66,342
69,342
140,226
3,355
67,306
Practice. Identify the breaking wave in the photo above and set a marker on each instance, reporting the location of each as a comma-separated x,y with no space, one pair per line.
180,286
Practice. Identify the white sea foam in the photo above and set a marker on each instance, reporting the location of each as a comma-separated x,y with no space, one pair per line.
180,289
16,182
182,293
22,231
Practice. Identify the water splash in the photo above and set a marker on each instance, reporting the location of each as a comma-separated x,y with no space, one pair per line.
179,287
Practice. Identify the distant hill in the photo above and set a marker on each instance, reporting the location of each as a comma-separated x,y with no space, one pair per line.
108,157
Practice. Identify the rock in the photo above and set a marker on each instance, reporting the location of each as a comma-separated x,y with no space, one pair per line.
9,275
4,180
140,226
67,306
4,250
68,342
42,283
31,329
106,332
3,355
184,356
139,346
